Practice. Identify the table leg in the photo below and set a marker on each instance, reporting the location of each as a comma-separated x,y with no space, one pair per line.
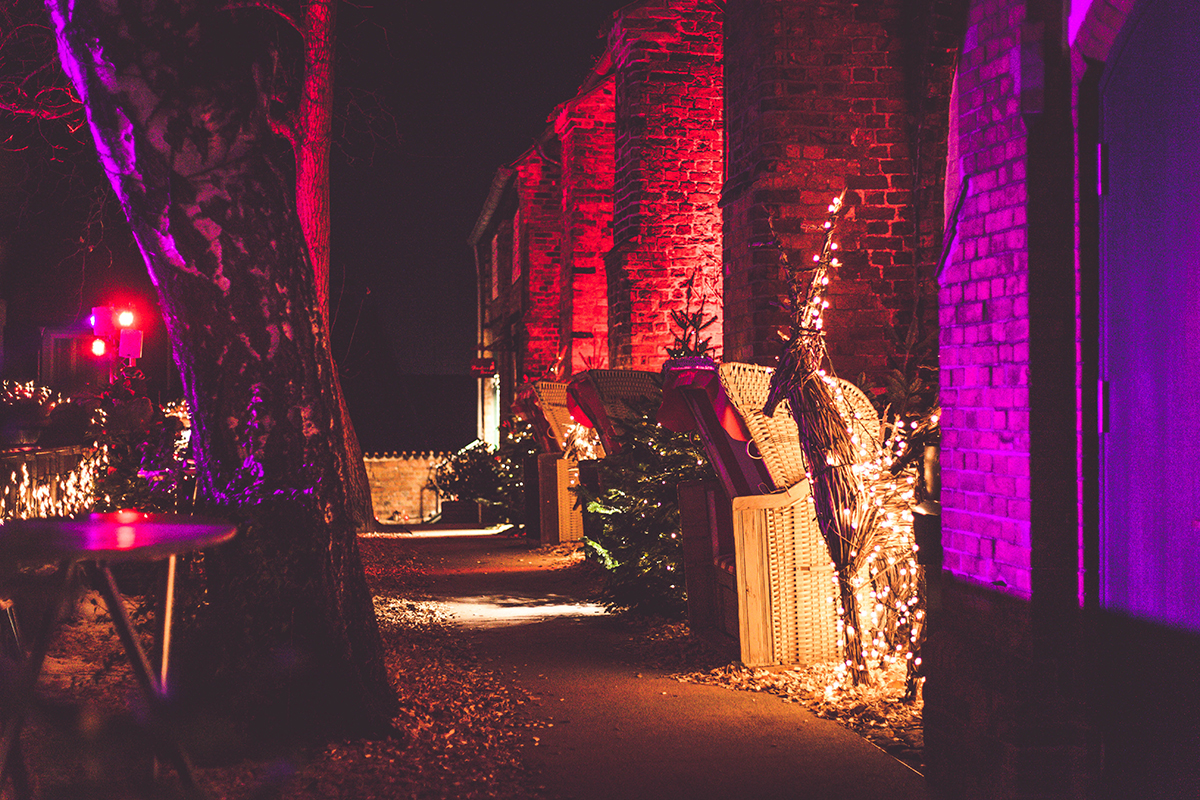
142,670
168,615
13,633
29,670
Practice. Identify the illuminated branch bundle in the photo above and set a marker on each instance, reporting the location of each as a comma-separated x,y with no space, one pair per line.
861,507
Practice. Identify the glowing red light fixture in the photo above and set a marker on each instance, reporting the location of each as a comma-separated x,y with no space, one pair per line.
99,347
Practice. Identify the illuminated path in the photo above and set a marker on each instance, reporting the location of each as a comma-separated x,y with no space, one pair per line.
620,730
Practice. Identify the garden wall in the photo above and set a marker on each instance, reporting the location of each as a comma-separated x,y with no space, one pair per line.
400,485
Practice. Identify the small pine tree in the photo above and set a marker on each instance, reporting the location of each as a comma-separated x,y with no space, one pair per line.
517,444
632,524
492,477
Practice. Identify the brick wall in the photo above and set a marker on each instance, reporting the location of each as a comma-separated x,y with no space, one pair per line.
1005,661
972,711
831,96
538,236
585,128
666,223
985,320
398,483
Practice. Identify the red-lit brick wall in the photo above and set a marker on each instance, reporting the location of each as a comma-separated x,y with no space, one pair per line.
666,221
585,128
828,95
538,224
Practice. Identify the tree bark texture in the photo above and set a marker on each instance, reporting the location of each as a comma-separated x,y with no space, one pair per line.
172,100
314,129
312,144
309,131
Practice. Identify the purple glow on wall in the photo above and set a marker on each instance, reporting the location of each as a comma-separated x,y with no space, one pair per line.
1150,320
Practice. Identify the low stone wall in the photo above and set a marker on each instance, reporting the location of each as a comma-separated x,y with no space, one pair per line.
401,486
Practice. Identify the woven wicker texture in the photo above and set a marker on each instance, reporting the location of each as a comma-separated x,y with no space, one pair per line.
861,418
552,397
785,581
570,516
776,436
802,587
618,386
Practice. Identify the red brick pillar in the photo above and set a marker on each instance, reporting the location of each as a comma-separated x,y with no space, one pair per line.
825,97
666,223
585,128
537,235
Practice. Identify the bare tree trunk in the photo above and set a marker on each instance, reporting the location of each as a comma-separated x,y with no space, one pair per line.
173,105
314,125
312,141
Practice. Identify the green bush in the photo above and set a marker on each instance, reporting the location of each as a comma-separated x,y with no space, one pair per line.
492,477
632,525
146,462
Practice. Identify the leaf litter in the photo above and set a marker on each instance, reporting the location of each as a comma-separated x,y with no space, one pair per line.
462,727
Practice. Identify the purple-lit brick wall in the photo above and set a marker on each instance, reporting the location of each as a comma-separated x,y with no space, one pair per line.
1005,687
538,237
985,318
831,96
585,128
973,707
666,222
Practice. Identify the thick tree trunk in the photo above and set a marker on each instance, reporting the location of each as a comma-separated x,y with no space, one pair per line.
314,128
172,102
311,142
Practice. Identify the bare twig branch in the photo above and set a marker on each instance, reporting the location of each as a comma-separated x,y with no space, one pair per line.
268,7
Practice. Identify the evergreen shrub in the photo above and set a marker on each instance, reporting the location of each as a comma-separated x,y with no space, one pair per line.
631,523
493,477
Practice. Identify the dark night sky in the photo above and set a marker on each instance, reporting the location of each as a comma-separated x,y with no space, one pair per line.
471,82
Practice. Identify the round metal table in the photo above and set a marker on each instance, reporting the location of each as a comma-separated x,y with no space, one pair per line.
92,543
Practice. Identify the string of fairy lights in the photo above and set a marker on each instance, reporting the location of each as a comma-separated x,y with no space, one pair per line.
582,443
51,489
62,481
45,484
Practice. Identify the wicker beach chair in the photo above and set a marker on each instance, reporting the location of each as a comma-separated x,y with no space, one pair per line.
610,396
785,582
552,399
559,520
776,437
